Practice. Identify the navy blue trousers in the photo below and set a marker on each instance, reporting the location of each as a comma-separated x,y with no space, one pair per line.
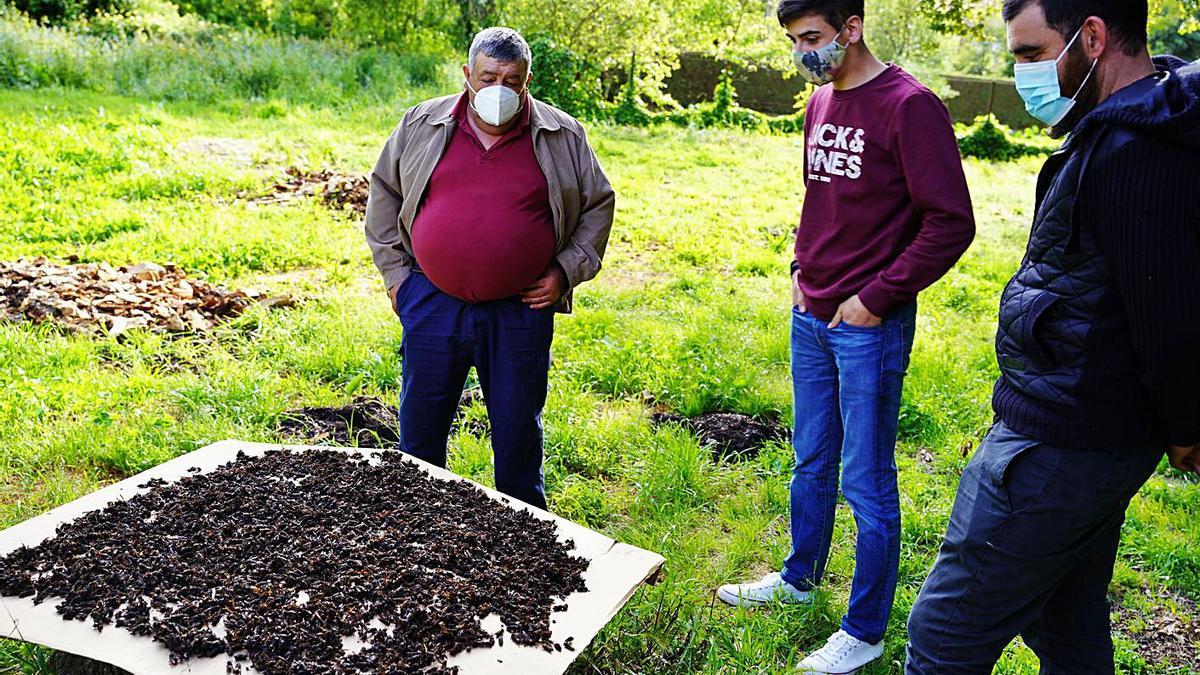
509,345
1029,550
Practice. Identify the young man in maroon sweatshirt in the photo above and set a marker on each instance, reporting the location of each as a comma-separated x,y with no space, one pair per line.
886,213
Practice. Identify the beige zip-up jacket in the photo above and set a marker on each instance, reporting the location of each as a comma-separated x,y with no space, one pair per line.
581,199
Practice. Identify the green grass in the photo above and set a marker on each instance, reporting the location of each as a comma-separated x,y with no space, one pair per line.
690,312
157,54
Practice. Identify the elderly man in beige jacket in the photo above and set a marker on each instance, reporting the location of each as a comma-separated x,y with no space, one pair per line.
487,208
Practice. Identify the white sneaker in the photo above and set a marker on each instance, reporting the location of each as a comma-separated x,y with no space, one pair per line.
842,654
771,588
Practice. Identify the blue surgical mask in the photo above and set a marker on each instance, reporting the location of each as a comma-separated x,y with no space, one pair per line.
817,66
1038,85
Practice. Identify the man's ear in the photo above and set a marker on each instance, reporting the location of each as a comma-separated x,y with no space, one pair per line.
1095,37
854,29
466,71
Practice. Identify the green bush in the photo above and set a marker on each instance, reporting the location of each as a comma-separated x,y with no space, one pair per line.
565,79
304,18
988,139
238,13
723,112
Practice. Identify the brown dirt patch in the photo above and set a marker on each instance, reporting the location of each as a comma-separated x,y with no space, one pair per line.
729,435
925,460
336,190
367,422
96,297
238,152
1163,636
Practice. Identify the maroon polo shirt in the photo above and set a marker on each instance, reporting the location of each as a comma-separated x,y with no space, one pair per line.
485,230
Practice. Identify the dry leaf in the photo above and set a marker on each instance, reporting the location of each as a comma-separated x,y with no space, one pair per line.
97,297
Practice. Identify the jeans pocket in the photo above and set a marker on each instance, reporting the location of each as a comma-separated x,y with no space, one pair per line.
852,327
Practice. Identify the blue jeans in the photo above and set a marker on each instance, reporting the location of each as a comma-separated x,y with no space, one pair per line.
847,383
509,345
1029,550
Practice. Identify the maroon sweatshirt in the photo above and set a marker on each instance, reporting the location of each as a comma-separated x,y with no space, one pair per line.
886,209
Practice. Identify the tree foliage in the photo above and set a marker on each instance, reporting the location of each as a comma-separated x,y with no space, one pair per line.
61,11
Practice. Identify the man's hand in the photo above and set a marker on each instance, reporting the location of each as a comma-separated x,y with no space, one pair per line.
854,313
547,290
1185,459
797,294
392,293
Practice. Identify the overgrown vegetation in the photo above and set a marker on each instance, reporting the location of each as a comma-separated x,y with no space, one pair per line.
987,138
166,57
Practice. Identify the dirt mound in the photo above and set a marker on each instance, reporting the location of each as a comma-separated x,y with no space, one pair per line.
99,297
476,424
367,422
730,435
336,190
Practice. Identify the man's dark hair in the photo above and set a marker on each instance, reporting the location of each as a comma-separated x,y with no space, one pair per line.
1125,18
834,12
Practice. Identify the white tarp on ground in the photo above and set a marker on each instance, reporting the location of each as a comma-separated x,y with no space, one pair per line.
616,571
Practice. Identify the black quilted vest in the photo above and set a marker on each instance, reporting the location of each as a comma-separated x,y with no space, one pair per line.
1063,369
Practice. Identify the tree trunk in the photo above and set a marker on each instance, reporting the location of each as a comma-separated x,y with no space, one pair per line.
474,16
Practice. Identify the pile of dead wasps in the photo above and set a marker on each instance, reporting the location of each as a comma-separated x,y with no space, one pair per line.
276,559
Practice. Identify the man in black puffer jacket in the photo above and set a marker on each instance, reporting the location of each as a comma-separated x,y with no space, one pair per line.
1098,347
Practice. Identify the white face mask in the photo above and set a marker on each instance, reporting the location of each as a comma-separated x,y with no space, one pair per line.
497,104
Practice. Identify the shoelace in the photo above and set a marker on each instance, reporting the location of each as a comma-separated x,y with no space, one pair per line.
843,643
766,583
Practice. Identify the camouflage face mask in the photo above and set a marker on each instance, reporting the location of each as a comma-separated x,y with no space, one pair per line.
818,65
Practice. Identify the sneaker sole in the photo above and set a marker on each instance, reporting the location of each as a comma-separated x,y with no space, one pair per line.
738,600
741,601
801,671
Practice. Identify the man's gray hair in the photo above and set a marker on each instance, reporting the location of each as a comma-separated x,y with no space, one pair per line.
504,44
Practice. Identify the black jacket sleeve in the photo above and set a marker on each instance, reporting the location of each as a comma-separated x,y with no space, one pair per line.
1143,199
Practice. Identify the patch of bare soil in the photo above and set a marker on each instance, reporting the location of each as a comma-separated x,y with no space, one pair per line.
729,435
336,190
238,152
1163,636
96,297
367,422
